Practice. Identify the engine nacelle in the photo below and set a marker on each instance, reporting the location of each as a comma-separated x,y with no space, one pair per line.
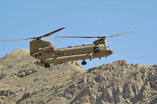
36,45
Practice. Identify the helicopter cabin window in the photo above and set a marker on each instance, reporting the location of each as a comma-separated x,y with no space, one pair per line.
96,50
63,54
74,52
59,54
85,51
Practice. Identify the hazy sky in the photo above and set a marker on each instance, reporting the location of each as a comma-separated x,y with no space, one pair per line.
29,18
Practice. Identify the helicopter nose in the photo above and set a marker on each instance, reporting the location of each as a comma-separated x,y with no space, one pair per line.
110,51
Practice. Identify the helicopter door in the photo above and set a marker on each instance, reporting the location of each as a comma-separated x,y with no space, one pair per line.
96,50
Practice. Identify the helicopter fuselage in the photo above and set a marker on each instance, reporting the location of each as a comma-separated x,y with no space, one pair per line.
44,50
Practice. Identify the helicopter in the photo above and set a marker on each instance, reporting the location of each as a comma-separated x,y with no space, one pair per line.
46,53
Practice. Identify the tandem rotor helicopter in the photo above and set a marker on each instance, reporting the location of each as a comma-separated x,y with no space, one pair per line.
44,51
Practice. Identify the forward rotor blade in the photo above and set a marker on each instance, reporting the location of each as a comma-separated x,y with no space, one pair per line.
120,34
75,37
48,34
14,40
93,36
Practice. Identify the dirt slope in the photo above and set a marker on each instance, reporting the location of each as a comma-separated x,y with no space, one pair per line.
22,82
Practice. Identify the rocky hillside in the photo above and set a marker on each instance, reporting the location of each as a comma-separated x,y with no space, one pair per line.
22,82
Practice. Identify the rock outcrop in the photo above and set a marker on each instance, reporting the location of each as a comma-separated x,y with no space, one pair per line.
68,83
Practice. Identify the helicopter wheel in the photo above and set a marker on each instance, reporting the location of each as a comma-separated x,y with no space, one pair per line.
47,65
84,62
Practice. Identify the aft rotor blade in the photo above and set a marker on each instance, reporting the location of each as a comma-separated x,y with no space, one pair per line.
48,34
120,34
14,40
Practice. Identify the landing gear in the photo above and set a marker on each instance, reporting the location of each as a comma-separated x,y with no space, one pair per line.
84,62
47,65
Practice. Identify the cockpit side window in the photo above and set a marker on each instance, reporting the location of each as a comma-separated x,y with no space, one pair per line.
96,50
105,46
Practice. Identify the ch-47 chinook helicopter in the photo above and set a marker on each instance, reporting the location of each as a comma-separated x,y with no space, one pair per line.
44,51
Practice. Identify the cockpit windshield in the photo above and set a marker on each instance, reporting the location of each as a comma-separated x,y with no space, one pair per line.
96,50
